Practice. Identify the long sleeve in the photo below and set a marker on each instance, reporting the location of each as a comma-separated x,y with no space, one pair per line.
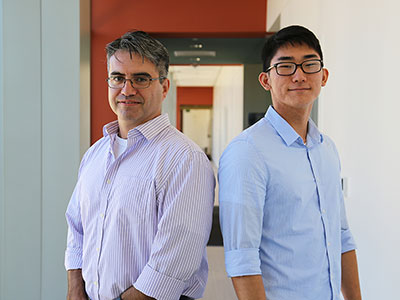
185,217
242,191
74,250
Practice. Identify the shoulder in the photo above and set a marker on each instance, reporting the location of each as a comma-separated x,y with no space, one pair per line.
252,143
174,141
97,147
329,145
175,150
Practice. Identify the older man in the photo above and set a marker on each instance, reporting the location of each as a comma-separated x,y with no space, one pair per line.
140,215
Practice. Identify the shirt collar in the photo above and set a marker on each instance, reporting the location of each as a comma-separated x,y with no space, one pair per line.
314,136
148,130
287,133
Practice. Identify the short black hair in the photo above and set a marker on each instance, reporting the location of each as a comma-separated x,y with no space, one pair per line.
292,35
141,43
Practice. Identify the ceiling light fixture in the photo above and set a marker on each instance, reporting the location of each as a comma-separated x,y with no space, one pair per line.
195,53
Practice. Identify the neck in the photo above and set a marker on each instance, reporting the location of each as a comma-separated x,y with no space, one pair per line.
297,118
124,129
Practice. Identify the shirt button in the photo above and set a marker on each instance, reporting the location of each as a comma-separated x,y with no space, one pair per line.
98,249
324,211
108,181
95,283
102,216
329,244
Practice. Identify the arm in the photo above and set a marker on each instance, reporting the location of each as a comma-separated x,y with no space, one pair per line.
249,287
185,207
242,191
73,253
76,285
350,282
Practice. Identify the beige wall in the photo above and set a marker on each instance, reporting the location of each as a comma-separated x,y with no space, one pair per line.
227,109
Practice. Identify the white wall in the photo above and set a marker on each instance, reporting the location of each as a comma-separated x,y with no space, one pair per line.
40,142
197,125
227,108
169,103
359,108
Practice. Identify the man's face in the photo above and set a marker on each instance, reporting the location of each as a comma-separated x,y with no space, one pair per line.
135,106
297,91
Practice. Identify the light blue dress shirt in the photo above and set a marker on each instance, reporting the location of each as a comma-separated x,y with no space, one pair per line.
282,211
143,218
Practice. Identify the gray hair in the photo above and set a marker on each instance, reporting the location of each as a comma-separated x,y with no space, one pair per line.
139,42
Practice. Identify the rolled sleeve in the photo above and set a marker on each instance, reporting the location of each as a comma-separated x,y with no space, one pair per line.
242,262
348,242
73,252
158,285
73,259
178,251
242,191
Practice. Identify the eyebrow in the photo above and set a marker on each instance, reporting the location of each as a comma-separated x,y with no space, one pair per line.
134,74
117,73
282,58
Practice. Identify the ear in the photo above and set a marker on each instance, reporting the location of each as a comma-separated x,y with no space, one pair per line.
165,87
264,80
325,75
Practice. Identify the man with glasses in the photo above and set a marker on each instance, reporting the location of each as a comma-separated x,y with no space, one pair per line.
281,205
140,216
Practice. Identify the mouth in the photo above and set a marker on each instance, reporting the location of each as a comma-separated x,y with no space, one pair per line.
299,89
129,102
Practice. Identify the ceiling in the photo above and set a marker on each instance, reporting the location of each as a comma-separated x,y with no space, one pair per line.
227,50
196,68
195,75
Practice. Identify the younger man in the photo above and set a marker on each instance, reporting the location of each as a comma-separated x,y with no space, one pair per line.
281,205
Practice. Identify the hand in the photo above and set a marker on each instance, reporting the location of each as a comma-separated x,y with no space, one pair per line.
76,296
76,286
134,294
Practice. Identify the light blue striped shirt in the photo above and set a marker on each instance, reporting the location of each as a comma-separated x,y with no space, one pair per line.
144,218
282,211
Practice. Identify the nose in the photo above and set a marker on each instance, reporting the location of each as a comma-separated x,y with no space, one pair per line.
299,75
128,89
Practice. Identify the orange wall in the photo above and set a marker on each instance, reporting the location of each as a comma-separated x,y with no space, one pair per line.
173,18
112,18
199,96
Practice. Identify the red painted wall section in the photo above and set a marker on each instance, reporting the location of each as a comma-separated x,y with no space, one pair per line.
100,110
179,16
199,96
194,95
173,18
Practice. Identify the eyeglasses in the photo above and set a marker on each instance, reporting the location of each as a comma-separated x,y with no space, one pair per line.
137,82
289,68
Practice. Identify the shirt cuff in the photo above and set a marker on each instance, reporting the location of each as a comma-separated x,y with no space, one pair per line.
243,262
73,259
348,242
159,286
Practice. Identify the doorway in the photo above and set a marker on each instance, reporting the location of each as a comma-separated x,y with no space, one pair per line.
196,123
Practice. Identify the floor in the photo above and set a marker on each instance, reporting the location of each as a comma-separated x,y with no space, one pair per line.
219,286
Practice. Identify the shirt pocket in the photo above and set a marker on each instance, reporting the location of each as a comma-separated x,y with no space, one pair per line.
133,199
